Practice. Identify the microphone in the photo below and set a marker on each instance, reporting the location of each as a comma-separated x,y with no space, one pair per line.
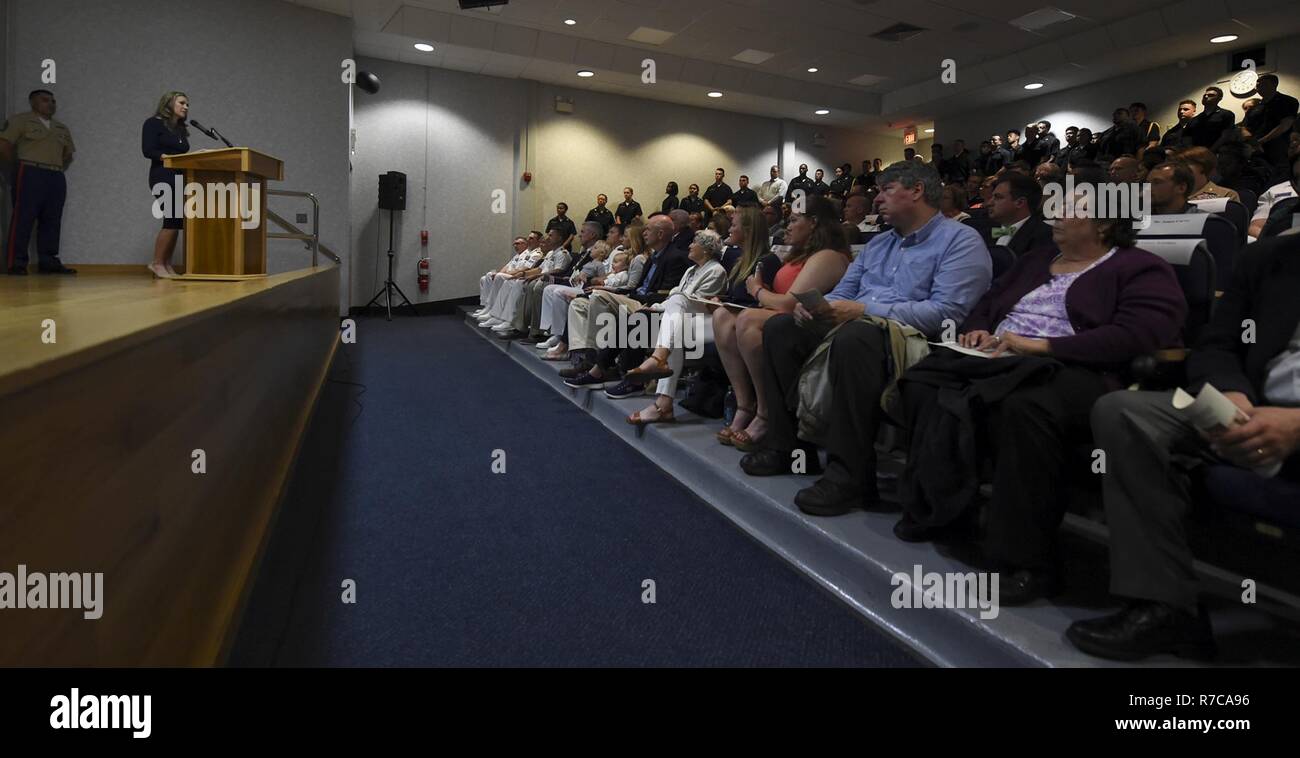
211,132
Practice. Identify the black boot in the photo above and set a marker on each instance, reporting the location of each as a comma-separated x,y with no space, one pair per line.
1145,628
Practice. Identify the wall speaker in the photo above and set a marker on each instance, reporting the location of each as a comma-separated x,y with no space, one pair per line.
392,191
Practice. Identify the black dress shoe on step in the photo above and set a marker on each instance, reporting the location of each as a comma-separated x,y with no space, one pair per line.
1027,585
575,371
827,498
910,530
765,462
1144,629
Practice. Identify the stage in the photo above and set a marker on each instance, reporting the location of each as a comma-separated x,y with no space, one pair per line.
149,427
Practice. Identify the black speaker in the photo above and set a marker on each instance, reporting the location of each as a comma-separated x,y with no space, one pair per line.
392,191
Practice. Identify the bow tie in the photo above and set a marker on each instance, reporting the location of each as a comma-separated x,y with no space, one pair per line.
1003,231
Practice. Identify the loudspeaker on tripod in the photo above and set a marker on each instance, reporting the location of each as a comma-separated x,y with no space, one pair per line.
392,191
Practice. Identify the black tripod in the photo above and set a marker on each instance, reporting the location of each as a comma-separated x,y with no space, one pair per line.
389,285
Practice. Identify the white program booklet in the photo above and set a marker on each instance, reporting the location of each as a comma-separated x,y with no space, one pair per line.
1211,410
968,350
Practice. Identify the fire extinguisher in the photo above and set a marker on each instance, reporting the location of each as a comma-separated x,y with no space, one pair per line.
423,275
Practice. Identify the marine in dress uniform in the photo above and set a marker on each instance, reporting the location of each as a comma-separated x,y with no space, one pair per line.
43,147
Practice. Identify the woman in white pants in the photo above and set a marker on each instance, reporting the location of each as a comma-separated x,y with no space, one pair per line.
684,321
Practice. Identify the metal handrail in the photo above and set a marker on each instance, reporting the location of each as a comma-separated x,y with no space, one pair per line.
312,240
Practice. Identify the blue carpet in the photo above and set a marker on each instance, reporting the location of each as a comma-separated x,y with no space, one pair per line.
540,566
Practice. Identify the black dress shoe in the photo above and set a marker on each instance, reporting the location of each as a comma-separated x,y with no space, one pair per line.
532,339
1143,629
575,371
1027,585
827,498
766,463
18,271
910,530
510,335
59,269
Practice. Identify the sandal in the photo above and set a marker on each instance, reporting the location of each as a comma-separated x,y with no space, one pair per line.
745,443
659,417
650,374
726,436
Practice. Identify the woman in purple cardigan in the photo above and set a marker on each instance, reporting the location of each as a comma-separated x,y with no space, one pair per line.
1059,328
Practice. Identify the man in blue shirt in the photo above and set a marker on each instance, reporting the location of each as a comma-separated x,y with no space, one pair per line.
927,271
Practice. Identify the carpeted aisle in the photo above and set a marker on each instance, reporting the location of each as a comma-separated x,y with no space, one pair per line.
455,565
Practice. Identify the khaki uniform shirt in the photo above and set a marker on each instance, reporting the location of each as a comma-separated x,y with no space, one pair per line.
38,143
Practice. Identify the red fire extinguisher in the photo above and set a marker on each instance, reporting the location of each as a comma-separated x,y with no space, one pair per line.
424,274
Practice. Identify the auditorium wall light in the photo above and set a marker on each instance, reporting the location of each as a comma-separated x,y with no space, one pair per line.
1034,85
929,131
570,22
585,74
424,47
821,112
1219,40
812,70
715,93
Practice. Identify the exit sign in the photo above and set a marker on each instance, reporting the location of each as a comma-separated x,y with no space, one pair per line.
909,135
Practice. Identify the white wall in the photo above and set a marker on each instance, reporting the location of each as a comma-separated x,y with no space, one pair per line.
265,73
1091,105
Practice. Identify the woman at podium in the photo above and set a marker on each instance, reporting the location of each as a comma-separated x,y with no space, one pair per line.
165,133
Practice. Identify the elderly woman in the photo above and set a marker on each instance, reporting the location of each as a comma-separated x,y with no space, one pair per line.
1051,336
818,258
678,327
745,252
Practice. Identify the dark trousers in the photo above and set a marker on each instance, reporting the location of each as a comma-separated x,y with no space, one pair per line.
38,200
1030,434
858,373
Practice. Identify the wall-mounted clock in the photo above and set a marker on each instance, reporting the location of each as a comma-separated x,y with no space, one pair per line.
1242,83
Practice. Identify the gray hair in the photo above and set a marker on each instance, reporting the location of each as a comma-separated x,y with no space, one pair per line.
710,240
596,227
680,217
909,174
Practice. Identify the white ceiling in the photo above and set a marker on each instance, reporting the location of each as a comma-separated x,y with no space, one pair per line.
899,82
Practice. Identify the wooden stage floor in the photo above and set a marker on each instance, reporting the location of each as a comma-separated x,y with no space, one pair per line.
101,310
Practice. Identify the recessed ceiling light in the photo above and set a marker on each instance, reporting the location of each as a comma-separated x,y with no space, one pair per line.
424,47
1034,85
821,111
715,93
1223,38
929,131
812,70
569,22
585,74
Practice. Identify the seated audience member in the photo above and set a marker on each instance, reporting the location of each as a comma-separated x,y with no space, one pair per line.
952,201
548,313
693,203
587,316
1177,135
696,222
1171,186
1208,127
1274,197
681,325
1049,173
1151,157
517,293
775,227
507,279
855,219
974,196
670,202
721,223
927,270
487,283
1014,207
1202,163
818,257
1059,328
682,234
1152,451
632,241
1125,170
1282,218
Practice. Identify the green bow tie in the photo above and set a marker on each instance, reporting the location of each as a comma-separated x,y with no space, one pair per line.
1003,231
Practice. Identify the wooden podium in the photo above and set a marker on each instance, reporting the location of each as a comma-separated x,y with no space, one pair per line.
221,248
